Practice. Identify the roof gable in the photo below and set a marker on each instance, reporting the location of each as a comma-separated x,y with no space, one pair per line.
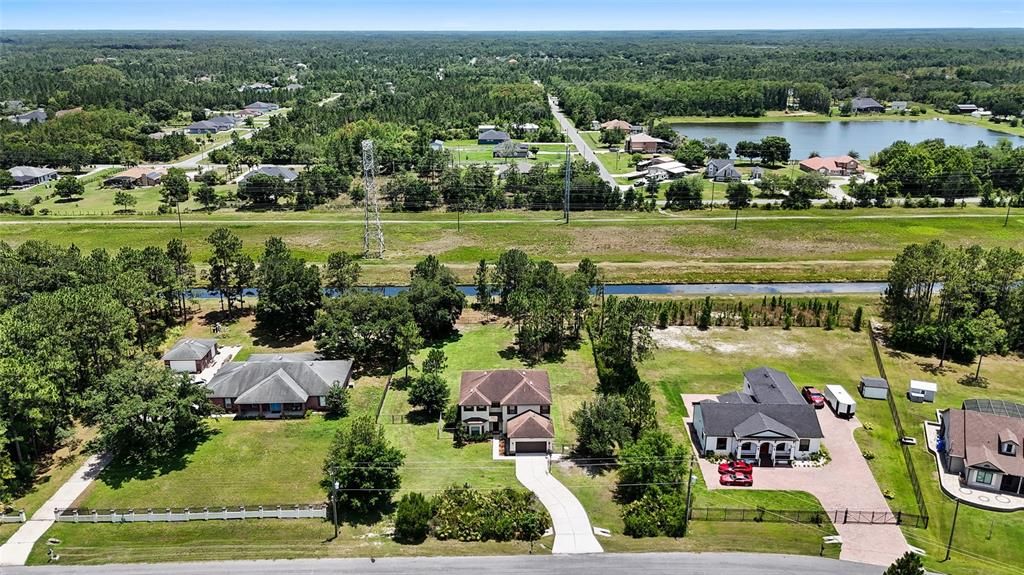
315,378
278,387
530,425
190,349
735,419
505,387
759,424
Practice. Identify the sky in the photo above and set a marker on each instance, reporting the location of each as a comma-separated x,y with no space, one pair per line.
446,15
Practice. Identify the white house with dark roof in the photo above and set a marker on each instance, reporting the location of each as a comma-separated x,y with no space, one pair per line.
191,355
768,423
275,387
30,176
512,403
37,115
262,107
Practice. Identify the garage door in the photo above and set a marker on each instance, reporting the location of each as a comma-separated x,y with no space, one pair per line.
531,447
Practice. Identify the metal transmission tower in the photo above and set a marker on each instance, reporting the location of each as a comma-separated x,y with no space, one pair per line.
568,181
373,232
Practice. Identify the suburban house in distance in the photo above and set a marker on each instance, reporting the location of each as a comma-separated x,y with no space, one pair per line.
513,403
832,166
667,170
722,170
437,145
286,174
510,149
262,107
492,137
138,176
644,144
983,443
966,108
623,125
37,115
866,106
191,355
29,176
275,386
769,422
211,125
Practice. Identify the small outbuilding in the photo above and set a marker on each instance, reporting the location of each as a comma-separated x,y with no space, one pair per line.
840,401
191,355
873,387
921,391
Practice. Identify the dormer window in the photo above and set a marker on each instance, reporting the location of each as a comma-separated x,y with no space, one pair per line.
1007,448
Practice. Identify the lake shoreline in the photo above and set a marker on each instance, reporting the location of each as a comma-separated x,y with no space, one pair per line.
821,118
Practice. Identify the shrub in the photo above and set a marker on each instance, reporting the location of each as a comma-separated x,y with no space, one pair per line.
889,494
337,401
640,519
869,455
504,515
412,518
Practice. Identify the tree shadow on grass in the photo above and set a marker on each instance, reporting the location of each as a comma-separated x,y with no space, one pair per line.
933,368
119,472
66,200
421,417
266,338
369,517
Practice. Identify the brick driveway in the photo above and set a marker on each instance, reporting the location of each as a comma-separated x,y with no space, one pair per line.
845,483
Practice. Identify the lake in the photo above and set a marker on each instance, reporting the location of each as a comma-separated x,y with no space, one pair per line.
835,138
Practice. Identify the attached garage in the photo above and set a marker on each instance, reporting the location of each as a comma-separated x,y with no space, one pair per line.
529,447
529,432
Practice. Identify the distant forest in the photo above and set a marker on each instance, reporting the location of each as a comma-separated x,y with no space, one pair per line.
455,80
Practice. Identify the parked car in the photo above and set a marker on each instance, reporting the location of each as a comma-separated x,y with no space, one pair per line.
739,479
735,467
813,396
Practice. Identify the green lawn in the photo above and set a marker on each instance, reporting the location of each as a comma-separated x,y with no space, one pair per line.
984,539
242,463
687,246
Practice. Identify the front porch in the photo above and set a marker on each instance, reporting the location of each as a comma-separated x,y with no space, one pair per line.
766,453
270,410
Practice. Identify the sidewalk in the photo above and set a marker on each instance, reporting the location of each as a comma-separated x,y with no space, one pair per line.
16,550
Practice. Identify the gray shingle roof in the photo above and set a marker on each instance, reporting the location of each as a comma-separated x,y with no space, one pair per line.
493,135
735,397
744,419
31,172
189,349
287,174
862,103
314,378
772,386
506,387
719,163
297,356
874,382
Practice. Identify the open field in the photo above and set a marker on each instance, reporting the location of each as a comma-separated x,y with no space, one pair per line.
984,539
647,248
98,200
53,473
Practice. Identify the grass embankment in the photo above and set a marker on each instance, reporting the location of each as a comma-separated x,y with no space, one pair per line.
53,472
984,540
818,245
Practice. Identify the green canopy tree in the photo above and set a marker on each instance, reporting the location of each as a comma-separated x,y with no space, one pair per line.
290,292
68,187
365,466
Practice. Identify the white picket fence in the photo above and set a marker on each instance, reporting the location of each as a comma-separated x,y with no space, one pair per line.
80,515
19,518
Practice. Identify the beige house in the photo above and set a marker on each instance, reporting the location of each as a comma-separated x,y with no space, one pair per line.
833,166
514,404
982,443
138,176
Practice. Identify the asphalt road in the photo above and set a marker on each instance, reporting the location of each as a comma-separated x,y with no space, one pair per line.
581,146
605,564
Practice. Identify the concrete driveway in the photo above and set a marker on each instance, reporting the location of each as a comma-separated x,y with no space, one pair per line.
845,483
573,532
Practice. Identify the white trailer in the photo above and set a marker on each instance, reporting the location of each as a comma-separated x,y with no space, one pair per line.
841,403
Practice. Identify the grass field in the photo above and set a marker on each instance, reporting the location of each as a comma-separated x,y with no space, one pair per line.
651,248
98,200
984,539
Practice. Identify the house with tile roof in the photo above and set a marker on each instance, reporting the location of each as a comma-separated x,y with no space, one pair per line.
514,404
832,166
767,423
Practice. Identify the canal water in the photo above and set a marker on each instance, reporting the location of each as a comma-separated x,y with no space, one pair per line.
835,138
723,289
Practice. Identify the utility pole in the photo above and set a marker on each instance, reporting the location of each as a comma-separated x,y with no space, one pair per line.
952,530
736,221
689,492
712,194
334,506
568,181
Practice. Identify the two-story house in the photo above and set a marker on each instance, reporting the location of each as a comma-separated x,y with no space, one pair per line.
511,403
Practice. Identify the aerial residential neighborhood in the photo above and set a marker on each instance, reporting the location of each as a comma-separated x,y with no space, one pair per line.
415,287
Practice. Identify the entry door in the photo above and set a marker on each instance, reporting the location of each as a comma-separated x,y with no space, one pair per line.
275,408
1010,483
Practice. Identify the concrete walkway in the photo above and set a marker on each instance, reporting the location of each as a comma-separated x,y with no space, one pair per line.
844,483
16,550
573,533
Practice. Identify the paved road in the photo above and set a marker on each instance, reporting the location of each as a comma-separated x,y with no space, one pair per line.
603,564
16,550
581,146
573,532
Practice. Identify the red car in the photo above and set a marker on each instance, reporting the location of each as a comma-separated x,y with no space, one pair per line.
813,396
735,467
740,479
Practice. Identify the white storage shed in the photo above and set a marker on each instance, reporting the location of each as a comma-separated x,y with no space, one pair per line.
921,391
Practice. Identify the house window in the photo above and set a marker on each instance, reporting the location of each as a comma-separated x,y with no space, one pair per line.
512,410
495,404
1007,448
227,402
984,477
322,401
722,443
781,447
747,446
805,445
545,409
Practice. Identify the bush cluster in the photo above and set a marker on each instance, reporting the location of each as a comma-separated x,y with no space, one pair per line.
503,515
